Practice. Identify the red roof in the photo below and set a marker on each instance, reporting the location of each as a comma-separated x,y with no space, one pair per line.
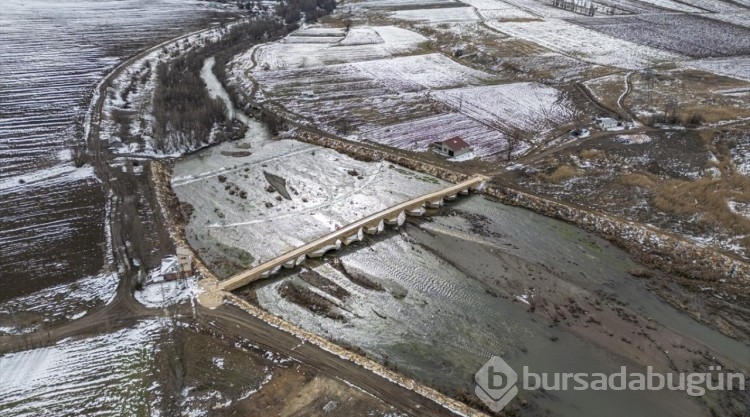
455,144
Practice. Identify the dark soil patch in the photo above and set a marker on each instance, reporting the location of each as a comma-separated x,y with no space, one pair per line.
356,277
315,279
308,299
236,154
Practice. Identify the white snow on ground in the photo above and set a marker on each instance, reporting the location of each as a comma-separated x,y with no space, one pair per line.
417,135
506,14
105,375
449,14
528,106
377,4
325,196
496,9
360,44
361,35
737,67
588,45
80,296
673,5
166,293
48,177
123,98
428,71
633,139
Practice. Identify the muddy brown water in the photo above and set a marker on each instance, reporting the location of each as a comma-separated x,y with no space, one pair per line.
447,324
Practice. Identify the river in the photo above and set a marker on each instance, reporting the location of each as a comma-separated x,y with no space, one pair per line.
458,288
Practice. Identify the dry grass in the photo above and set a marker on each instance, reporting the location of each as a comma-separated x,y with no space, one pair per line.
646,181
709,197
706,197
592,154
560,174
696,92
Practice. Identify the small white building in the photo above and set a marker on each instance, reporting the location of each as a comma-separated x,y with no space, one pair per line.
606,123
452,147
177,267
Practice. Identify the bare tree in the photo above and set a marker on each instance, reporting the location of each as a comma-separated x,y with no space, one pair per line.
515,137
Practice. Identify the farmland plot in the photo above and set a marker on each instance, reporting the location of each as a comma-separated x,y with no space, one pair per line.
405,4
365,112
731,67
585,44
449,14
53,53
427,71
104,375
365,44
674,5
530,107
417,135
44,306
689,35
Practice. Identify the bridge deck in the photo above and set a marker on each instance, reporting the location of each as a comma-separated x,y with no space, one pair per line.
244,278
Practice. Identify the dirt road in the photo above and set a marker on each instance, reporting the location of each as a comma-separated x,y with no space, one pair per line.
125,311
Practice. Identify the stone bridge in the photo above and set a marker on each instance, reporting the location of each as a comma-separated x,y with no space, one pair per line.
353,232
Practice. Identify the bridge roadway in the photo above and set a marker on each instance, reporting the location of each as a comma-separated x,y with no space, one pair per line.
353,232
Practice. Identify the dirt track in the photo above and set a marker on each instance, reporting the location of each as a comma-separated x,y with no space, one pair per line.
124,310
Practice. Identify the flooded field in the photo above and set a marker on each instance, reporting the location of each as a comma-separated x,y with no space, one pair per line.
443,294
53,55
439,296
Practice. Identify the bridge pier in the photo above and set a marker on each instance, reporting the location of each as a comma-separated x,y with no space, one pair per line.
317,253
398,220
416,211
374,229
435,203
357,237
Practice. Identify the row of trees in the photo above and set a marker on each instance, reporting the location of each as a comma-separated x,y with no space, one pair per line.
184,112
294,10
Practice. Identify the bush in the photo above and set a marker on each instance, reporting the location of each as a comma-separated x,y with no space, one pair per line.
696,119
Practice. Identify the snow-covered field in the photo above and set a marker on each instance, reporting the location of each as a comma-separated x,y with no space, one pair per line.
690,35
448,14
106,375
388,4
585,44
674,5
328,190
530,107
360,44
80,296
738,67
417,135
52,54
